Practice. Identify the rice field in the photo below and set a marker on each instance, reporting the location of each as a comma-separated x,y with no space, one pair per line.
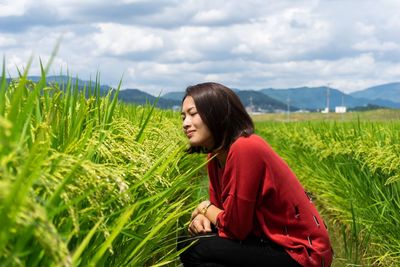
353,171
371,115
86,180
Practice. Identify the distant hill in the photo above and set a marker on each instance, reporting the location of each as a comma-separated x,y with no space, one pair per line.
310,98
179,95
174,96
259,100
63,80
126,95
389,91
140,97
315,98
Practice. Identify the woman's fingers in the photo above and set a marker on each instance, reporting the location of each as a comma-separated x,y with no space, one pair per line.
198,209
207,226
191,231
194,214
193,227
199,225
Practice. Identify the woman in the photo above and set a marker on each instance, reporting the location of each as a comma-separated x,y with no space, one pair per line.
257,207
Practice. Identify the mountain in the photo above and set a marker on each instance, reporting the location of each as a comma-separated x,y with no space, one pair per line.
259,100
126,95
174,96
389,91
63,80
311,98
179,95
315,98
140,97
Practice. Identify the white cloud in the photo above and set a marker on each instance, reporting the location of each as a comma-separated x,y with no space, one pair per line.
209,16
365,29
241,49
374,45
6,41
291,33
13,7
120,39
245,44
14,61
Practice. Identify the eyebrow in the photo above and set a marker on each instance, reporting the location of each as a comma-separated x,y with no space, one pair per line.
183,113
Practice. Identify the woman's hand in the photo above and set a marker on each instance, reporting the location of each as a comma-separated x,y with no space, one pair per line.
199,208
199,225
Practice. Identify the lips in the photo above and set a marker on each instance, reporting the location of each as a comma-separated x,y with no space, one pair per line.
190,133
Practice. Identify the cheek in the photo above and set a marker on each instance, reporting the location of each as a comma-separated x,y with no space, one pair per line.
202,128
207,133
198,123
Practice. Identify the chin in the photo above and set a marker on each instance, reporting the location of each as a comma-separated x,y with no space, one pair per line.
198,143
194,144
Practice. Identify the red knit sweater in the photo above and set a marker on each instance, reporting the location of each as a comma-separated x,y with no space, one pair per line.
261,196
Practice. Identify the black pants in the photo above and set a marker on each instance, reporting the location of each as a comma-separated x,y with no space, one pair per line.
212,250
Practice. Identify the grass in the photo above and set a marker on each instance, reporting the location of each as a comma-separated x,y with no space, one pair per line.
352,168
89,181
372,115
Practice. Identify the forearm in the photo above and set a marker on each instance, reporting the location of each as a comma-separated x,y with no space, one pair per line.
207,209
202,217
212,214
236,221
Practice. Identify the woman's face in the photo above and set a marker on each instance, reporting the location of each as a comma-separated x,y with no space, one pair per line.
195,129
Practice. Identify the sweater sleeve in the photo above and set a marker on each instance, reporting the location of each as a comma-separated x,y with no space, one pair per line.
212,194
244,170
211,187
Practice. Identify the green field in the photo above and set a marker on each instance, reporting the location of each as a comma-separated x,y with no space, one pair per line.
89,181
372,115
352,169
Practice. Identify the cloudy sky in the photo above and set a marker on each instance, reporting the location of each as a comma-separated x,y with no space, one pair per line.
166,45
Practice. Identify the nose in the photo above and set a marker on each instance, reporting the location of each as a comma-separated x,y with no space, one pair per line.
186,123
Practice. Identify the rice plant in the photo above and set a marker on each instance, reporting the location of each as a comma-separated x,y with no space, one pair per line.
352,168
88,181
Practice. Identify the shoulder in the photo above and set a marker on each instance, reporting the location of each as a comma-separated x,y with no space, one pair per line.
247,153
252,144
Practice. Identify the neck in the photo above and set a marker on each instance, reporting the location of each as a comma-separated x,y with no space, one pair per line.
221,157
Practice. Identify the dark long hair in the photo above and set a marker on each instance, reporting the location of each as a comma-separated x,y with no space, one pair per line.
223,113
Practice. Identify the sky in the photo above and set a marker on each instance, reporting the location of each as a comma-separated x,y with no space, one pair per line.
161,46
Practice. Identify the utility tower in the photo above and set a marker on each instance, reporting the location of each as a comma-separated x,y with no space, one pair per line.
327,99
251,107
288,109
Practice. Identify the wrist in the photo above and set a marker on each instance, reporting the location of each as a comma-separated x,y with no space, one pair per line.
205,207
